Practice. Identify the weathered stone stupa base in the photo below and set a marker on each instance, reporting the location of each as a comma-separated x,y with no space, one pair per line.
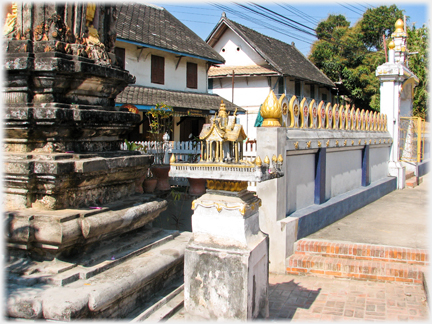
226,262
99,278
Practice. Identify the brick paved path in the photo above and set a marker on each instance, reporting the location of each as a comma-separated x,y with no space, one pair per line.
303,298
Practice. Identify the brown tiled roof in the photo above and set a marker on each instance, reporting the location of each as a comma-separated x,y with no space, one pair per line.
146,96
284,58
155,26
216,71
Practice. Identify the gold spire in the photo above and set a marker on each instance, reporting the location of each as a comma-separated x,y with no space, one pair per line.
258,161
399,26
266,160
271,111
172,159
280,158
222,110
274,158
391,45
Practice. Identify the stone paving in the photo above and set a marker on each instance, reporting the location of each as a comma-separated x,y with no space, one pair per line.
304,298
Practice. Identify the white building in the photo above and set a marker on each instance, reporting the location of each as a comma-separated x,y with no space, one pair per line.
170,63
260,64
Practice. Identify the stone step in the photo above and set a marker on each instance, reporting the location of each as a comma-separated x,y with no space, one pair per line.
112,294
409,175
360,251
413,182
98,260
164,308
317,265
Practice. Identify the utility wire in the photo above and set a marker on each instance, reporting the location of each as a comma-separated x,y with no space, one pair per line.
279,15
277,20
258,22
298,12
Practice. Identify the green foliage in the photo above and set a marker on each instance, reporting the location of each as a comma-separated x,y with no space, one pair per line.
419,64
135,147
377,22
349,56
160,121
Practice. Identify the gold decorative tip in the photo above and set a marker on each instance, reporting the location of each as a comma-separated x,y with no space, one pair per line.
319,143
359,142
296,145
328,143
280,158
274,158
391,45
337,143
266,160
370,141
258,161
308,144
399,26
172,159
352,142
271,111
345,142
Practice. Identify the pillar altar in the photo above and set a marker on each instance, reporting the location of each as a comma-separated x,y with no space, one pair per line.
397,84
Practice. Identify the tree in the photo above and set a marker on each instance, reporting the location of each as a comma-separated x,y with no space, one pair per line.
377,22
418,63
349,56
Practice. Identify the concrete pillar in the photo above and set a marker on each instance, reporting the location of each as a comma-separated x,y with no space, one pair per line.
392,76
226,262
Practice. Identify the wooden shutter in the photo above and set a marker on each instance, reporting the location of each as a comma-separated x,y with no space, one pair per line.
192,75
120,56
157,69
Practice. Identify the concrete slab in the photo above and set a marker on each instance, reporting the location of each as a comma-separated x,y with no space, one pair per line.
398,219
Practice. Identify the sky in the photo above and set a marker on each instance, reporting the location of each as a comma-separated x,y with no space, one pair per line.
201,17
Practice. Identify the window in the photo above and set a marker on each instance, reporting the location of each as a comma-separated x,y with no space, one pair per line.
120,56
297,88
157,69
281,88
312,91
210,84
324,97
192,75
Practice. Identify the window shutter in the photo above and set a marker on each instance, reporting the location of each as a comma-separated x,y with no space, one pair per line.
157,69
192,75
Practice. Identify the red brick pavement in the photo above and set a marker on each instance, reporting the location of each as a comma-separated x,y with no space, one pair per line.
304,298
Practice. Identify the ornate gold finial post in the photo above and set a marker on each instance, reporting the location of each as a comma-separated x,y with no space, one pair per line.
271,111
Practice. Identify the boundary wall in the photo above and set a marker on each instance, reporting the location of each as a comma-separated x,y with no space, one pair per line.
329,172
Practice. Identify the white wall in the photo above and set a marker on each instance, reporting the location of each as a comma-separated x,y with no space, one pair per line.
343,172
236,51
300,184
378,162
175,79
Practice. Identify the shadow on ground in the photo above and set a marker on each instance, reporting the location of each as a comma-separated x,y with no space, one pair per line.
286,297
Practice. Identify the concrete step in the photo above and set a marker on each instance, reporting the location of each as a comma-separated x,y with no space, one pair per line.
359,251
165,308
116,293
164,304
317,265
409,175
413,182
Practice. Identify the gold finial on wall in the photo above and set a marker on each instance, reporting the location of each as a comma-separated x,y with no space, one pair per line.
271,111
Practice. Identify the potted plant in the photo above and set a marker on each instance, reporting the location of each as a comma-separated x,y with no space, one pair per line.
160,122
150,182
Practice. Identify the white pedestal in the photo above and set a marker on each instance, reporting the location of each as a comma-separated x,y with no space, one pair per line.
396,169
226,261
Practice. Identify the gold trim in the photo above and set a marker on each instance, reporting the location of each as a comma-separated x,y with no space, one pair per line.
296,145
308,144
319,143
328,143
337,143
280,158
258,161
219,206
266,160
